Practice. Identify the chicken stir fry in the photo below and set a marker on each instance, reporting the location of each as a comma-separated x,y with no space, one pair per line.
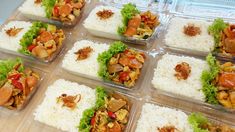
47,42
17,86
67,10
142,25
125,67
225,82
113,116
211,127
227,44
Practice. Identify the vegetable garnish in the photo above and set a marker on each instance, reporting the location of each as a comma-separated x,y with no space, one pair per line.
207,77
48,5
196,121
104,58
200,123
216,29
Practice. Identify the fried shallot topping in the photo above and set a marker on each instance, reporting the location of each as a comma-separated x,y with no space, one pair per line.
83,53
182,71
167,129
69,100
37,1
192,30
13,31
105,14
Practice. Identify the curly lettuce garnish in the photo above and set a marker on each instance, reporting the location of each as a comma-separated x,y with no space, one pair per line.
207,77
128,11
28,37
196,121
8,65
48,5
216,28
84,125
104,58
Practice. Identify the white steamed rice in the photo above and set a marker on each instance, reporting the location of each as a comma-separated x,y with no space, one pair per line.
153,117
88,66
13,43
105,27
30,8
175,36
52,113
164,78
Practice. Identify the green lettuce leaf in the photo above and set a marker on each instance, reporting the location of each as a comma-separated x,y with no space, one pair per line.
7,65
104,58
196,120
128,11
48,6
85,125
207,77
216,28
28,37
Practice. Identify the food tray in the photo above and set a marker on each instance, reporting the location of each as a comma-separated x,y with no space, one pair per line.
59,23
142,42
33,125
205,8
198,52
155,92
143,5
23,120
52,58
138,83
177,107
42,75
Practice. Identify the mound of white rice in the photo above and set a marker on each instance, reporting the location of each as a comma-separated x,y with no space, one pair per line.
30,8
165,79
175,36
104,27
13,42
153,117
87,66
52,113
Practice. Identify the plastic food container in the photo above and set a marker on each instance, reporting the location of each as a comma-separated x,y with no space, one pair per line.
30,123
200,44
29,97
41,14
111,35
205,8
46,60
138,83
145,4
156,91
178,107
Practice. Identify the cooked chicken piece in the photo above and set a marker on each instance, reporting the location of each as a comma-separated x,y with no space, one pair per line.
114,68
115,127
229,45
6,93
232,97
83,53
114,104
227,80
167,129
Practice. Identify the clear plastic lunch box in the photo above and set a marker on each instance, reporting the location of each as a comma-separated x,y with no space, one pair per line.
30,123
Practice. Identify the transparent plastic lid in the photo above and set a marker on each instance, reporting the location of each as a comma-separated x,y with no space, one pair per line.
205,8
141,4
